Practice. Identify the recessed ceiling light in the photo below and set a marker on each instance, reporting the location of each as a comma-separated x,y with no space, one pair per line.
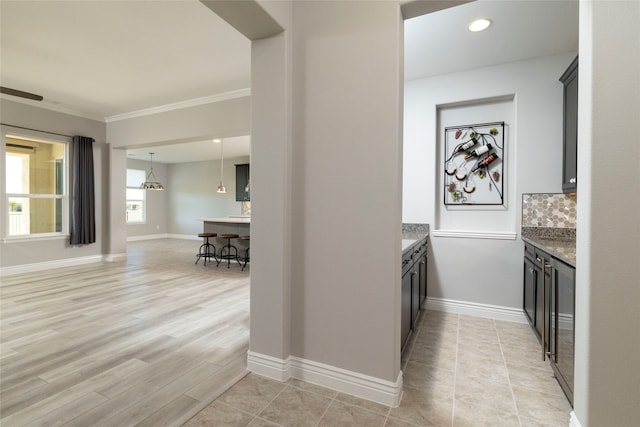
479,25
217,140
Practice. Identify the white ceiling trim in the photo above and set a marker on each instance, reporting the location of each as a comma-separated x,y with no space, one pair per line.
240,93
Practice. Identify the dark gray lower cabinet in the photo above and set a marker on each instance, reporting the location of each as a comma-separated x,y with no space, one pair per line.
414,288
422,276
549,305
562,324
405,328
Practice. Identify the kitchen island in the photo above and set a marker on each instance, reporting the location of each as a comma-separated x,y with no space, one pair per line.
236,225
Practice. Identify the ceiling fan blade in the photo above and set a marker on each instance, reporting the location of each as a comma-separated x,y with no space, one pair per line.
19,93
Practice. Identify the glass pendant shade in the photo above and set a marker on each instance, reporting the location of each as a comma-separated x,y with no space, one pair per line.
151,183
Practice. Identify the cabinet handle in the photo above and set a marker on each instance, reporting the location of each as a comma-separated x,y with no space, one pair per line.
544,310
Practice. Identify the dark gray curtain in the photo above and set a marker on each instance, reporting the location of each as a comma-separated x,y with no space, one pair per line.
83,204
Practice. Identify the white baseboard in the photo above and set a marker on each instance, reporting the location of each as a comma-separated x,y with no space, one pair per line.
146,237
363,386
475,309
47,265
115,257
162,236
184,237
573,420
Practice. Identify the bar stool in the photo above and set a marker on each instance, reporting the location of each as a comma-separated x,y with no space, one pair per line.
228,247
205,248
246,257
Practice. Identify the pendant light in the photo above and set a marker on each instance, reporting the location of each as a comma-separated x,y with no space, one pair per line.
151,184
247,188
221,188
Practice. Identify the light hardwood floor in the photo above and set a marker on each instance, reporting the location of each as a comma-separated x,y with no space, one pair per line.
146,342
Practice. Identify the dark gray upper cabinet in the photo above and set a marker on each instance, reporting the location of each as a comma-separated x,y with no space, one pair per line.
570,129
242,179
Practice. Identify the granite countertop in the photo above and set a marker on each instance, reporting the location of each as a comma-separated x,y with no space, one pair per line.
557,242
412,233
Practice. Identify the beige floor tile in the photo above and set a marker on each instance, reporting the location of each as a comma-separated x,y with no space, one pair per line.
444,358
396,422
341,414
518,339
441,315
252,393
472,337
524,356
425,407
479,353
219,414
260,422
476,322
560,421
437,338
545,407
313,388
541,380
423,376
477,392
486,368
363,403
471,415
296,407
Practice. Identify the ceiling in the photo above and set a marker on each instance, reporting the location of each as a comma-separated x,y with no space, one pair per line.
100,59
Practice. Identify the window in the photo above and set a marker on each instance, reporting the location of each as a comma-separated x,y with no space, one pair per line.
136,201
35,193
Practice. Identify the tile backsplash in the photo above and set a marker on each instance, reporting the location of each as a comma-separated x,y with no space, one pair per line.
549,210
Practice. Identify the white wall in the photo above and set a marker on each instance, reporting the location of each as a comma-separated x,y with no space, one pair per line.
26,252
487,270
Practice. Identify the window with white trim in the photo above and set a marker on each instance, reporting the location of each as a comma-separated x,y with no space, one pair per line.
136,198
36,189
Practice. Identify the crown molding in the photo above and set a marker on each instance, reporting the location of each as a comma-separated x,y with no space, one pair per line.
240,93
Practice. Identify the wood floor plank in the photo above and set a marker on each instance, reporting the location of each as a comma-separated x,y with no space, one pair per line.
121,341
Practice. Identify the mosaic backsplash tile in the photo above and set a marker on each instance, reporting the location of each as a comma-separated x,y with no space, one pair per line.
549,210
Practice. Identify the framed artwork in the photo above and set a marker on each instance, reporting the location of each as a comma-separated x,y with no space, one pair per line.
473,165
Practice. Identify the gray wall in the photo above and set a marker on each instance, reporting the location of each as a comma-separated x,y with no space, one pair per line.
607,376
342,217
192,194
30,252
217,120
156,201
492,269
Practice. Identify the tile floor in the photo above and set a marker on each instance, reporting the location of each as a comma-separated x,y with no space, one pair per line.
458,371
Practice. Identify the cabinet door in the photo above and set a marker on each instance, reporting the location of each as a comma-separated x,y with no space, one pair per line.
543,299
422,278
570,129
529,291
242,179
563,324
405,321
415,296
